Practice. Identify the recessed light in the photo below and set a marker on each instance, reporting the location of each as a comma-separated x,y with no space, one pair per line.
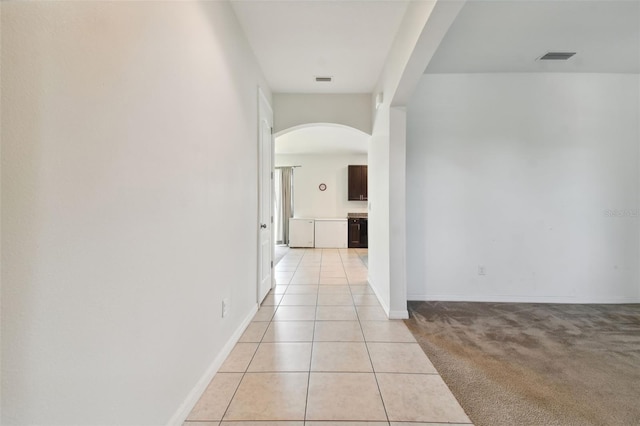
556,56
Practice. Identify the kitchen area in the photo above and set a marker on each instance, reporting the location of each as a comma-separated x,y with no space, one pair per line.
335,232
322,188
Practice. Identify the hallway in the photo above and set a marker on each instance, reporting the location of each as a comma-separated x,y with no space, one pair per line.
321,349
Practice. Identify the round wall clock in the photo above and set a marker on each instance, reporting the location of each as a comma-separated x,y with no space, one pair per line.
322,187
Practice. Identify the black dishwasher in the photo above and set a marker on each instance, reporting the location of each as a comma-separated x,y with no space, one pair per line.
358,235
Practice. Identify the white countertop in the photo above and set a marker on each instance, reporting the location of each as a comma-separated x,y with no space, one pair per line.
330,218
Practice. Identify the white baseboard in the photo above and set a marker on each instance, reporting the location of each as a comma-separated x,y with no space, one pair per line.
522,299
385,307
399,314
192,398
402,314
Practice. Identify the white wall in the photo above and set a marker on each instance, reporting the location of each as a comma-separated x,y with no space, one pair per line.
352,110
378,218
423,26
129,206
516,172
330,169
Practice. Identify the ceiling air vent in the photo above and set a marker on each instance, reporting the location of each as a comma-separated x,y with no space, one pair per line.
324,79
557,56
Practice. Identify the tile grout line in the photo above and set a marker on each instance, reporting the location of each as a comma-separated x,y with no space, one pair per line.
244,374
241,379
272,321
375,376
313,336
365,342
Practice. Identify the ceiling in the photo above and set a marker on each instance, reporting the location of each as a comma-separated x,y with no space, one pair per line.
295,41
508,36
323,139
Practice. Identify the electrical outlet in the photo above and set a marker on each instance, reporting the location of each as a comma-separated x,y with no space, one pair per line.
226,305
481,270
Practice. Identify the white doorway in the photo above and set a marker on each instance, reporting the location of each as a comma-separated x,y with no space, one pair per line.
265,200
323,155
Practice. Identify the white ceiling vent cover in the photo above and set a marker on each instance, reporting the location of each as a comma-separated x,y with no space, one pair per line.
556,56
324,79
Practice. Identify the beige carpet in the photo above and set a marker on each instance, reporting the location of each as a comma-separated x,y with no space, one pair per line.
535,364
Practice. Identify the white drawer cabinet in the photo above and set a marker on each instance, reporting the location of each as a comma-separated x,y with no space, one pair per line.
301,232
331,233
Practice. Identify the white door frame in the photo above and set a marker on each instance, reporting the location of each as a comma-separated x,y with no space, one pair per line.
265,112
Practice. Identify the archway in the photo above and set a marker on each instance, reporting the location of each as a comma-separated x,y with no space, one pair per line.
319,154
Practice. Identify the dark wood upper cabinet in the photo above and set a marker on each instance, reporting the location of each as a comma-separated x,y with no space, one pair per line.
358,183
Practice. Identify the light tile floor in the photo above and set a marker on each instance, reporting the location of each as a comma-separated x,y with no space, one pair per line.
320,352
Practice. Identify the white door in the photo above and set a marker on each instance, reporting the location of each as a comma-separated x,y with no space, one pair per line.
265,190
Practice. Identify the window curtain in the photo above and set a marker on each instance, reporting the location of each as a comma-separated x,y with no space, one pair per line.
283,203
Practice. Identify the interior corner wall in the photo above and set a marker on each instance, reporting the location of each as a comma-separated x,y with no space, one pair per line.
129,205
397,213
330,169
291,110
533,177
386,169
378,194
